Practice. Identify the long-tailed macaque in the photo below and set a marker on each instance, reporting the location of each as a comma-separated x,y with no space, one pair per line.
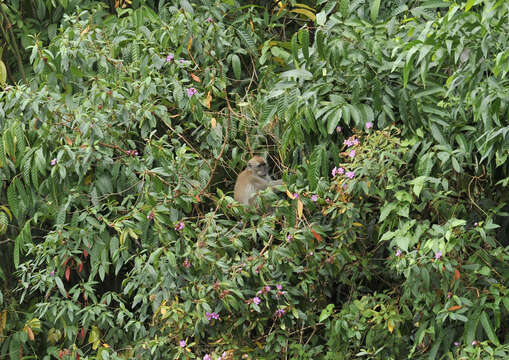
254,178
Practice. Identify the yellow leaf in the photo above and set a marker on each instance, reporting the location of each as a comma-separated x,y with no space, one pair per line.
300,208
454,308
290,195
305,12
189,43
305,7
88,179
6,210
93,337
390,326
208,100
85,30
357,224
35,323
213,123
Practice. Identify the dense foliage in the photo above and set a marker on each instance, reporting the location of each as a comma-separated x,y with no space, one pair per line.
124,124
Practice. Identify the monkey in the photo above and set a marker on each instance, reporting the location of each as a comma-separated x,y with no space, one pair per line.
254,178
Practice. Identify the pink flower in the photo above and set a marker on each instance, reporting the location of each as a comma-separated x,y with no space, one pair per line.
182,343
181,61
187,263
289,238
350,174
53,162
338,129
207,357
279,313
169,57
209,19
352,154
279,287
398,252
150,215
334,171
296,195
257,300
191,91
314,198
341,171
180,226
438,255
351,141
369,125
212,315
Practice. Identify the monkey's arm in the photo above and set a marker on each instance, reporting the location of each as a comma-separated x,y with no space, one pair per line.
276,182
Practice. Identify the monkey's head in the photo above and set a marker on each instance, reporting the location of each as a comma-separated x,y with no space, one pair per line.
258,166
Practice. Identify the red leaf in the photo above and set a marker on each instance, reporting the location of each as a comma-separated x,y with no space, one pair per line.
60,354
195,78
316,235
85,253
67,273
81,267
457,274
454,308
82,333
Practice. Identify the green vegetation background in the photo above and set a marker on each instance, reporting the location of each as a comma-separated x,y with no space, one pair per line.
123,126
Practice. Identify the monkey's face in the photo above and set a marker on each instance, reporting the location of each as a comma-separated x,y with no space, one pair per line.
258,166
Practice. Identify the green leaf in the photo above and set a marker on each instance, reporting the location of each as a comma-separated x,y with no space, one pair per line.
3,74
313,170
344,8
437,135
304,40
386,210
326,313
319,41
17,250
488,329
295,50
469,5
418,184
60,286
297,74
12,199
236,66
321,17
375,7
246,38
